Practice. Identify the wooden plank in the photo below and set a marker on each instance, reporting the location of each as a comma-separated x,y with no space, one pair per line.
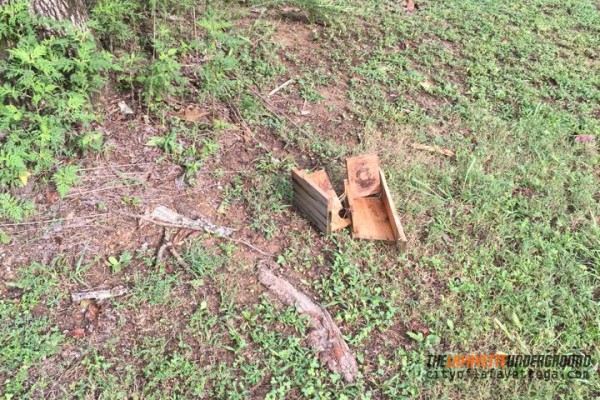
334,207
300,196
310,200
303,180
319,199
370,220
317,222
321,179
390,208
312,211
363,175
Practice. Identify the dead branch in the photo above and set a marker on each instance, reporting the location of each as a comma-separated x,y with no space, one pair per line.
98,294
325,336
167,217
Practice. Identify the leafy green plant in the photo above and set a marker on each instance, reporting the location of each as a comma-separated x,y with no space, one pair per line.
115,22
13,208
45,92
117,264
316,10
162,77
64,178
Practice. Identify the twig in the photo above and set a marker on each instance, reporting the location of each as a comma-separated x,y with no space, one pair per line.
242,121
179,259
51,220
433,149
264,253
102,189
100,294
165,243
282,86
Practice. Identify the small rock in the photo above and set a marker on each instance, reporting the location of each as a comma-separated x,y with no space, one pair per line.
125,109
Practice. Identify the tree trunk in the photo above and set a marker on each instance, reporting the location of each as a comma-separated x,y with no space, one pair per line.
75,11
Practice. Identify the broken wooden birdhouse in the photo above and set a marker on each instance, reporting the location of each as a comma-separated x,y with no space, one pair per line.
315,197
370,211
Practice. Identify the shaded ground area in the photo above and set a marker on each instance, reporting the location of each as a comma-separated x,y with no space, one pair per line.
503,237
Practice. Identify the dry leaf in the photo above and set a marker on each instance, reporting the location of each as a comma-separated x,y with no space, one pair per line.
416,326
410,5
192,113
24,176
84,304
92,312
433,149
77,333
51,196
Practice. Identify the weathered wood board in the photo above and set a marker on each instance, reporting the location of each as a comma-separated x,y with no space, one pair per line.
363,175
372,209
314,197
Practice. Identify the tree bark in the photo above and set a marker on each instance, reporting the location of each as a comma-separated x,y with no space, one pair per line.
75,11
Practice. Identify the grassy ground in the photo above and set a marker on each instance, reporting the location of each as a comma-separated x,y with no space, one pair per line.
504,244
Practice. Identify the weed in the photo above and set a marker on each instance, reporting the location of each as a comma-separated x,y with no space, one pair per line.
64,178
316,10
45,92
117,264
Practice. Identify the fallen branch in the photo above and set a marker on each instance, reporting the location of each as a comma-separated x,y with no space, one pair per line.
167,217
100,294
325,336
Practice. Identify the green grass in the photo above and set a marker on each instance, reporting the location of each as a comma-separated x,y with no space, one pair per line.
503,252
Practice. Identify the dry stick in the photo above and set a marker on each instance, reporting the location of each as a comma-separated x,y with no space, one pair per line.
197,228
51,220
115,166
165,242
282,86
241,120
101,190
100,294
179,259
62,228
264,253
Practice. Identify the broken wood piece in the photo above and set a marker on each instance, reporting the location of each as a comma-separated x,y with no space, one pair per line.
165,216
325,336
363,175
314,196
433,149
372,209
100,294
390,208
